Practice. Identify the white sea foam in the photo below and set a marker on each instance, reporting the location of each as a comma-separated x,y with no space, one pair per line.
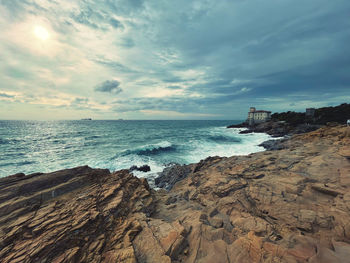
248,144
197,149
50,146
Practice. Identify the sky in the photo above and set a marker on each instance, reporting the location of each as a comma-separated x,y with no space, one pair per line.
152,59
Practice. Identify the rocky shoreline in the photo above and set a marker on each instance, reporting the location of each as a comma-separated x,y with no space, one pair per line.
277,128
291,204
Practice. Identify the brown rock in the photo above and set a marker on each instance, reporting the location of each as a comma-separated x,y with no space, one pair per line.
223,211
87,219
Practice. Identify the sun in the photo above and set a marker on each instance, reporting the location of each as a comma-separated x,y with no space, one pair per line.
41,33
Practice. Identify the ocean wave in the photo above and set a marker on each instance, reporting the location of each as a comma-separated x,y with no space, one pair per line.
223,139
93,137
107,146
10,141
150,149
17,163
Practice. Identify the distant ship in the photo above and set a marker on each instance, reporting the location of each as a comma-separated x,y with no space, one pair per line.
87,119
120,120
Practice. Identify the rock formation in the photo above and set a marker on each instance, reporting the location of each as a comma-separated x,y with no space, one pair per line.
277,128
287,205
171,175
74,215
144,168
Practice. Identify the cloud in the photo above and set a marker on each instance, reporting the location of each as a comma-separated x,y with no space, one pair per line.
116,23
5,95
182,56
174,87
80,101
176,114
10,96
114,65
110,86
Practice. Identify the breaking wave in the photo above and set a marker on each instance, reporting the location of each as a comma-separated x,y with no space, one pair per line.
150,149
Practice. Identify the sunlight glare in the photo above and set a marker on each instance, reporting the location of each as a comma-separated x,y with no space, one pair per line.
41,33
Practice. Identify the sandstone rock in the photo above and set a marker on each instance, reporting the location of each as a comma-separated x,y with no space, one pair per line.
273,145
325,189
87,220
290,205
216,222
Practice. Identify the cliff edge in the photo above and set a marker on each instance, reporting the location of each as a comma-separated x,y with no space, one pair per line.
288,205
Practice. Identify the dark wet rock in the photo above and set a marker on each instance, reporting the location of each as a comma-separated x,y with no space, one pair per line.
171,200
171,175
240,125
204,163
273,145
280,128
17,175
144,168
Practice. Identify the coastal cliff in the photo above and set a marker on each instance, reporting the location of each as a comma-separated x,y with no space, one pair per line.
287,205
290,123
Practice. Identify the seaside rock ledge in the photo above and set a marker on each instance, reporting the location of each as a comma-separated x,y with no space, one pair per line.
290,205
73,215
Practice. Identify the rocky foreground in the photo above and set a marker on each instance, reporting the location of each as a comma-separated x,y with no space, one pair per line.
288,205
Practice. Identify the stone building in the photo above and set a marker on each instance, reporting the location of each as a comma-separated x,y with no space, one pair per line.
258,116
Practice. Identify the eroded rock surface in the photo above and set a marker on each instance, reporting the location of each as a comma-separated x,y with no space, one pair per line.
74,215
171,175
290,205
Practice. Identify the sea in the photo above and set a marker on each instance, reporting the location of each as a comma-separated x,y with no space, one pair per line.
46,146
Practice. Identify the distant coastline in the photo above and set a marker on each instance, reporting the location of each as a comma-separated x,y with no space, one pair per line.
289,123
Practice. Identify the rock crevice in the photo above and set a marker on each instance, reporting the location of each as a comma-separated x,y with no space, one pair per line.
290,205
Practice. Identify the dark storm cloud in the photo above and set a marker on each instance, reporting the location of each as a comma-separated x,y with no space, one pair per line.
289,52
110,86
202,56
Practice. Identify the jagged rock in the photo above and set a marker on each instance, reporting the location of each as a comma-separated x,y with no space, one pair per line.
73,215
325,189
171,175
273,145
291,205
17,175
240,125
144,168
276,128
171,200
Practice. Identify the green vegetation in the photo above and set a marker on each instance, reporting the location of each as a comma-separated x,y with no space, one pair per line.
323,115
333,114
291,117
